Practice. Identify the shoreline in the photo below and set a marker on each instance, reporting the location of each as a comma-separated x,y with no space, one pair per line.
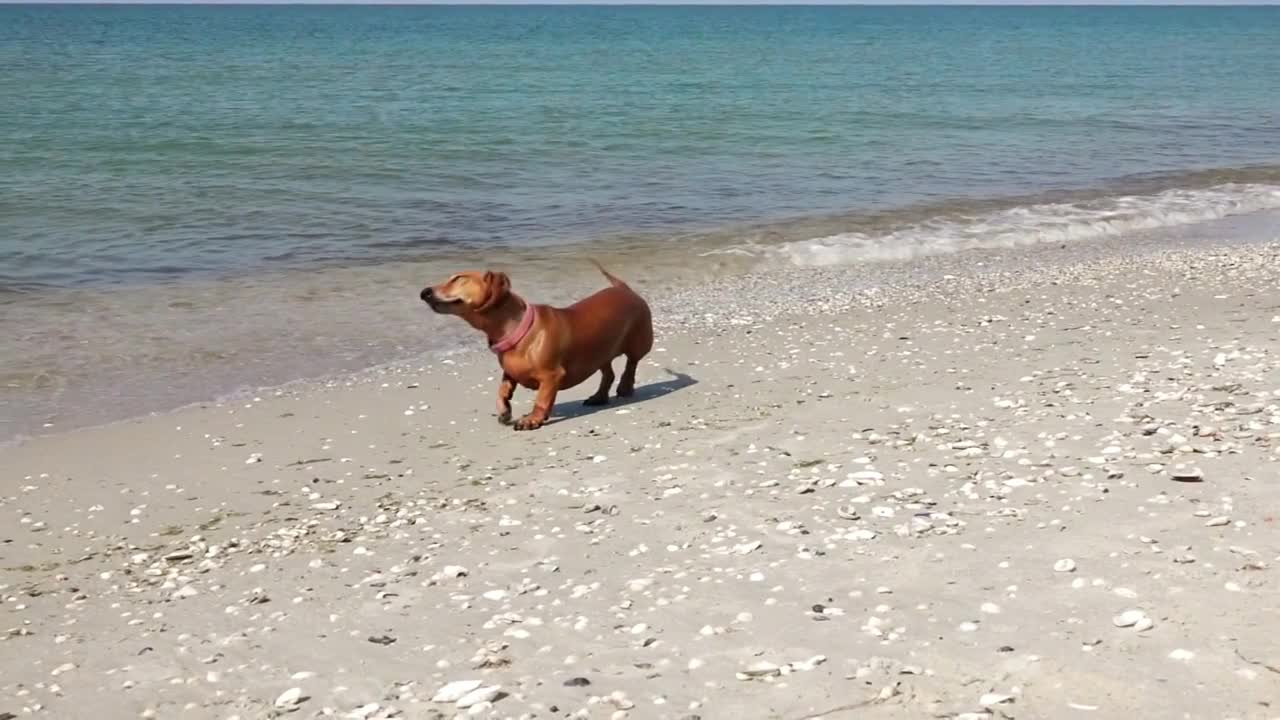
670,303
947,499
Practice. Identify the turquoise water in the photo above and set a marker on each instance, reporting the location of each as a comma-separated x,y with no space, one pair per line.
296,162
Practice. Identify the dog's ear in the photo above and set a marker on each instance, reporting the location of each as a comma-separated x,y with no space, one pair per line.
497,287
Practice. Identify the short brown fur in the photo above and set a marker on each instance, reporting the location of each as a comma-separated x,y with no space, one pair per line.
564,347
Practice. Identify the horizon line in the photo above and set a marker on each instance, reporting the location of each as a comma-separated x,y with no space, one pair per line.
653,3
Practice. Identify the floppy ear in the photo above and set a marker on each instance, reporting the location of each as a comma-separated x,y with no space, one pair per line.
498,286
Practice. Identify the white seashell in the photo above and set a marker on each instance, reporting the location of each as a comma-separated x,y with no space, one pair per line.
289,698
811,663
455,690
184,592
994,699
759,670
1128,618
479,695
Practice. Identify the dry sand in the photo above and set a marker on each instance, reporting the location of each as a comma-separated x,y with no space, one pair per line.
1043,493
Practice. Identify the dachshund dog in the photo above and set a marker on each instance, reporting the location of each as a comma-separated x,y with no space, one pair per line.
550,349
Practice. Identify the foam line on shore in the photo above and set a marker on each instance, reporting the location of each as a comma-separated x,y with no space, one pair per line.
1022,225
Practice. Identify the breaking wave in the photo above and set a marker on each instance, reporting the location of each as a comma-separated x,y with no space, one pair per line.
913,234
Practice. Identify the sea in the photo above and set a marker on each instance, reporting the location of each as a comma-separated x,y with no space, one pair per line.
198,200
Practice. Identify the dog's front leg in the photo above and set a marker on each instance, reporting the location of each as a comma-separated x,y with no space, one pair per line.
506,389
548,386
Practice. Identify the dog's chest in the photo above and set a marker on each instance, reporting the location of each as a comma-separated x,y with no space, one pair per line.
517,368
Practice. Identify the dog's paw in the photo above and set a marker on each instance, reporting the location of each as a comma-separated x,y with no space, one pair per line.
596,400
505,418
528,423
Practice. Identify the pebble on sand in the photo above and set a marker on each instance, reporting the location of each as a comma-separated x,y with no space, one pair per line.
1186,473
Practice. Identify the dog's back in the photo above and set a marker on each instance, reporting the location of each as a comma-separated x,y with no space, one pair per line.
601,313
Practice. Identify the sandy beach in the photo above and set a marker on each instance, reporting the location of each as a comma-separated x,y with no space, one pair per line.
1048,491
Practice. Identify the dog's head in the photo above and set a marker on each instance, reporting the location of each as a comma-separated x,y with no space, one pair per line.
468,294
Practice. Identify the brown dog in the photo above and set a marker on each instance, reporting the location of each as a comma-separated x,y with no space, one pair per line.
550,349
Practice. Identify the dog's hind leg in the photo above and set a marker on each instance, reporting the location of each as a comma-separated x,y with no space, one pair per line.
601,396
627,386
637,346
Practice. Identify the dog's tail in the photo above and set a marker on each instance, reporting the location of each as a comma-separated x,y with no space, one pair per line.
612,279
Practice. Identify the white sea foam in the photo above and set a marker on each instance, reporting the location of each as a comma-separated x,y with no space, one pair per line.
1028,225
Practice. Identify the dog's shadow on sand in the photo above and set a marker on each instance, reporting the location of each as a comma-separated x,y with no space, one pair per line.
575,409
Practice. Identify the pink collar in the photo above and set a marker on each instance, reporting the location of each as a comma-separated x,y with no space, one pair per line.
513,338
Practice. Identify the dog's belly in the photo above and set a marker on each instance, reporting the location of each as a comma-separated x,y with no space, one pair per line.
519,370
531,383
577,375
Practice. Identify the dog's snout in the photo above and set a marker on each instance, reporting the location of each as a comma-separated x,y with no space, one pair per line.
427,295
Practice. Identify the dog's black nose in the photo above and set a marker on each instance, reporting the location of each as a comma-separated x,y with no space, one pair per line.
427,295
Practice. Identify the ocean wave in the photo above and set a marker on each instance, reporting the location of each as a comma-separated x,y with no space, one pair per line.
1020,225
